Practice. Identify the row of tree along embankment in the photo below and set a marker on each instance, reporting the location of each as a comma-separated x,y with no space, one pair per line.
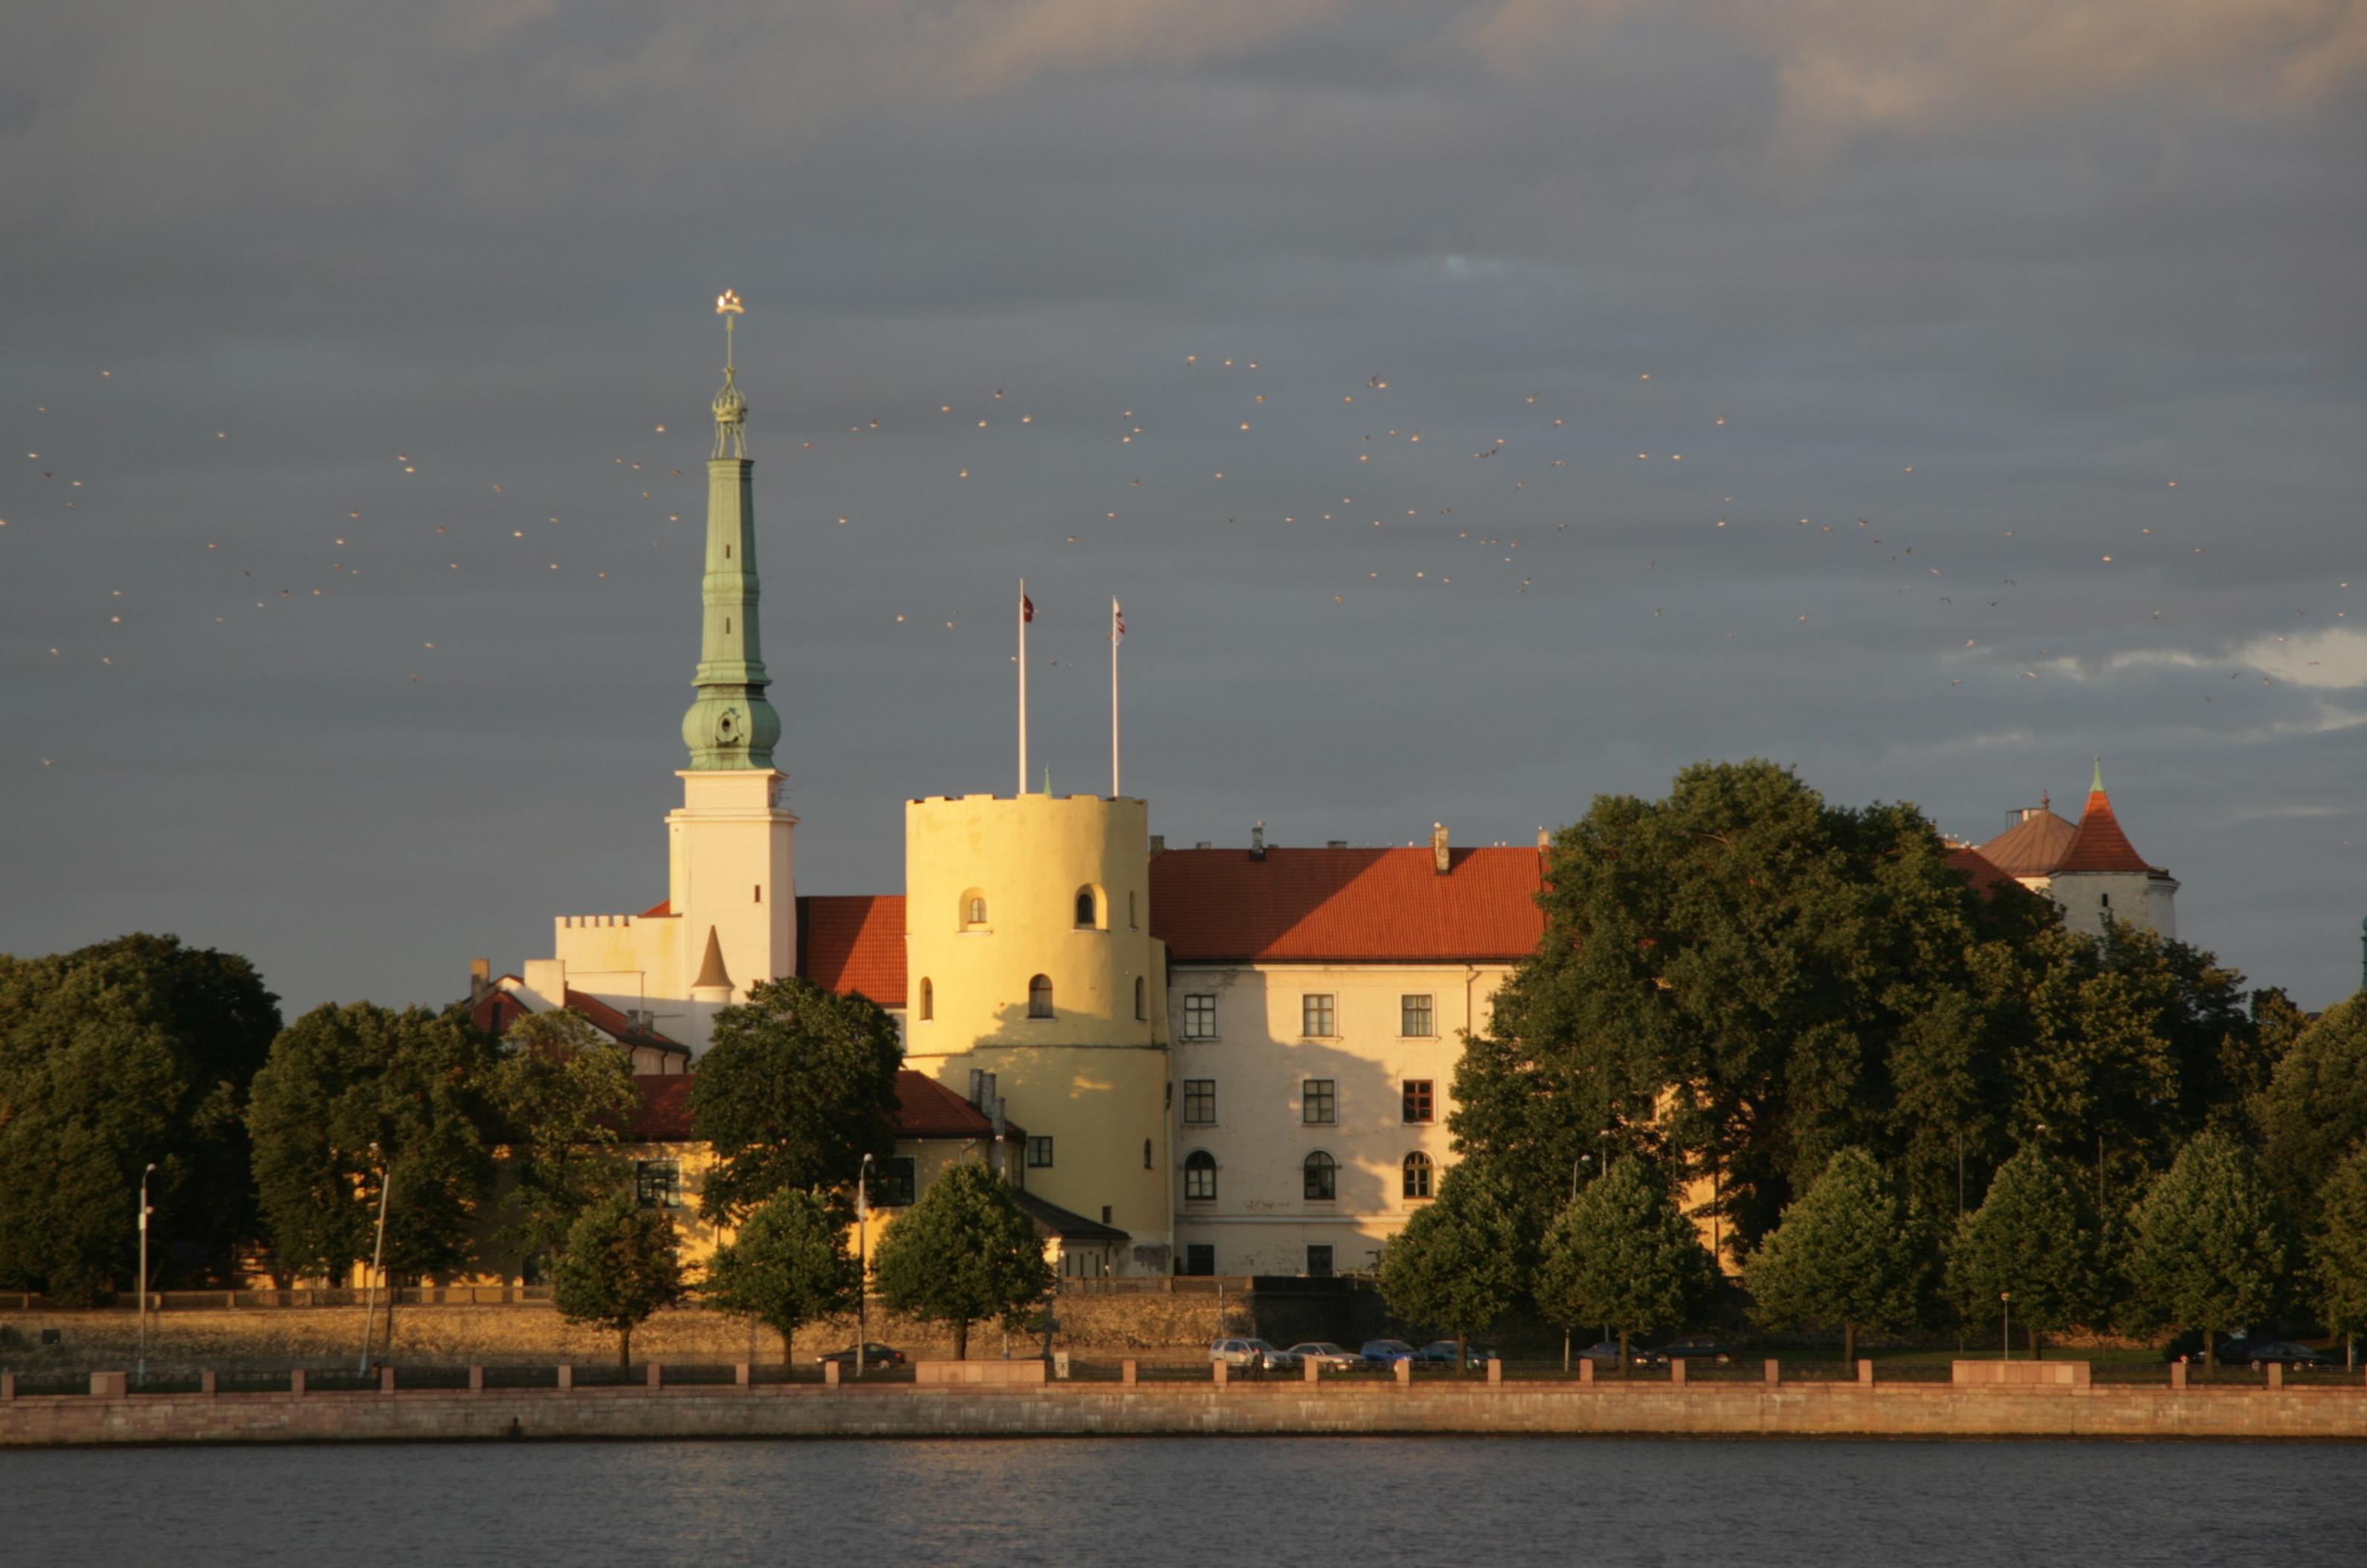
1014,1399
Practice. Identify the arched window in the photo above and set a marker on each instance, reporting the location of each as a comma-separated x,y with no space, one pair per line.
973,911
1090,910
1039,997
1417,1174
928,1000
1199,1176
1142,999
1322,1173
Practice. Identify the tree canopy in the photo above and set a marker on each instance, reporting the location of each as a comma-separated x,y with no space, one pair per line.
563,1099
2338,1248
2207,1248
2035,1238
2313,1110
136,1051
1623,1253
1743,979
963,1254
621,1264
1842,1254
1458,1263
788,1266
797,1085
349,1092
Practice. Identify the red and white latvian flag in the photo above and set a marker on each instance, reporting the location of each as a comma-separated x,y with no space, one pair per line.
1117,623
1026,607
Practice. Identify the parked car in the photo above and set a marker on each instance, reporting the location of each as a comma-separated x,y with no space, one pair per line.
1441,1352
2258,1353
1253,1353
1325,1353
1389,1352
1694,1350
873,1355
1601,1350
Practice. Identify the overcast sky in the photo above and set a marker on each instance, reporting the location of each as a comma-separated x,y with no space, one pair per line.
1928,396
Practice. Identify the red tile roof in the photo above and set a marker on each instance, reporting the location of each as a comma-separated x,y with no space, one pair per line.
661,910
2100,845
614,1025
1352,905
1981,874
2034,846
924,1108
665,1108
854,943
495,1011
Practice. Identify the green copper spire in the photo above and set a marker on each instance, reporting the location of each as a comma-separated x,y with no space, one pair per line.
2096,784
730,725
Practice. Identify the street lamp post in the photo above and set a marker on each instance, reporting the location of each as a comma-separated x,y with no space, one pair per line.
144,1268
378,1267
1573,1197
862,1266
2005,1347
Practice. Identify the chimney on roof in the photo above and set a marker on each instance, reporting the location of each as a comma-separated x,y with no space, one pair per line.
977,1085
1158,844
1335,844
1203,844
1545,838
1438,851
481,979
1257,842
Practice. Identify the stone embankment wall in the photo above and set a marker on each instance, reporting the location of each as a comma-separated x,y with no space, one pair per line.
1087,1410
534,1334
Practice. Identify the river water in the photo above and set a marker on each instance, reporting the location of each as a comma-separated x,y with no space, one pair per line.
1146,1502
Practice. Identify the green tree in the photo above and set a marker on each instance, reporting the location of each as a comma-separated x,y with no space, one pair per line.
352,1094
2034,1239
788,1266
622,1263
797,1085
1746,979
1458,1263
563,1098
2338,1251
1844,1253
2207,1247
1623,1253
2314,1109
111,1057
965,1251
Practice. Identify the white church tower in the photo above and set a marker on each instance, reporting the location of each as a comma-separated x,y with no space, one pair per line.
730,914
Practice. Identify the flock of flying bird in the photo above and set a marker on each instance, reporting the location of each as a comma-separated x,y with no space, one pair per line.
1472,504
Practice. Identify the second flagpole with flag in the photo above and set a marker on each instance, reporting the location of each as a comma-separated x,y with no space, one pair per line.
1117,635
1026,614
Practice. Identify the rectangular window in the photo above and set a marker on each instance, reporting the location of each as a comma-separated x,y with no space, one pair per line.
1199,1258
1199,1102
658,1183
1314,1016
1200,1016
1319,1262
1039,1152
1417,1099
1316,1106
891,1184
1413,1017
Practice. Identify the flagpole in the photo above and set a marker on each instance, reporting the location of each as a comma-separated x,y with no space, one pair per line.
1115,638
1022,686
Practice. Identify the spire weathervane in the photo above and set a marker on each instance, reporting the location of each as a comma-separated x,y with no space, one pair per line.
730,408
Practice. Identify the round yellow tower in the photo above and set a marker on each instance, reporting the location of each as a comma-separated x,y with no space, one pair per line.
1029,956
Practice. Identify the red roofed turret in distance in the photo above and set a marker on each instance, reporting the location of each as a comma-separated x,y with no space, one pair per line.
2090,868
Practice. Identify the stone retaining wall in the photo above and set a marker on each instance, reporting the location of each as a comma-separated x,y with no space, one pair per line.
534,1334
1073,1409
